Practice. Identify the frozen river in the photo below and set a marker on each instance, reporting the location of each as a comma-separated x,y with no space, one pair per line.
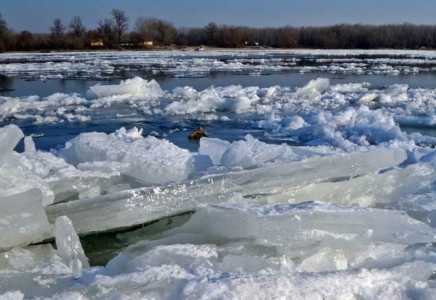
316,180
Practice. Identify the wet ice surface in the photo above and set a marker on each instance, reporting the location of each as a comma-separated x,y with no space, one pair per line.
309,187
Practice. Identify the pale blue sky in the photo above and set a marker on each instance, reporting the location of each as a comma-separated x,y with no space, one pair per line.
37,15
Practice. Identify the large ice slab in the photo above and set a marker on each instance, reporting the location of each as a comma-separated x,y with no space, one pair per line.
149,160
147,204
314,222
365,191
22,220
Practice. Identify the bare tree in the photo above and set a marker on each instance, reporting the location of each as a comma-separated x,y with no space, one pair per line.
57,37
25,41
58,28
106,28
166,33
145,27
3,25
77,27
211,31
3,34
121,22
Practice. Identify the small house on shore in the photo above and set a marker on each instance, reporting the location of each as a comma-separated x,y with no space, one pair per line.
97,43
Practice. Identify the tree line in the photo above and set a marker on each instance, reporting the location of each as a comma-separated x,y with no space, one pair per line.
114,33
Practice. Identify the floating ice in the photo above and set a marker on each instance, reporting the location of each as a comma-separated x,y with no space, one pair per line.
101,65
252,152
246,154
134,86
314,88
214,148
149,159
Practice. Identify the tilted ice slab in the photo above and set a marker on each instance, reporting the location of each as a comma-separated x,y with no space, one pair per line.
9,138
149,159
22,220
68,245
133,207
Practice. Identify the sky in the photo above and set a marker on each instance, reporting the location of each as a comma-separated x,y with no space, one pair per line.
38,15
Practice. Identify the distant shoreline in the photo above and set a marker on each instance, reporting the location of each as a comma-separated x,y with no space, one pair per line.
193,49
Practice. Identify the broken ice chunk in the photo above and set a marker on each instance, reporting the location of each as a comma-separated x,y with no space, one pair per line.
252,152
62,179
136,86
313,88
15,178
29,144
149,160
9,137
326,260
68,245
215,148
22,220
